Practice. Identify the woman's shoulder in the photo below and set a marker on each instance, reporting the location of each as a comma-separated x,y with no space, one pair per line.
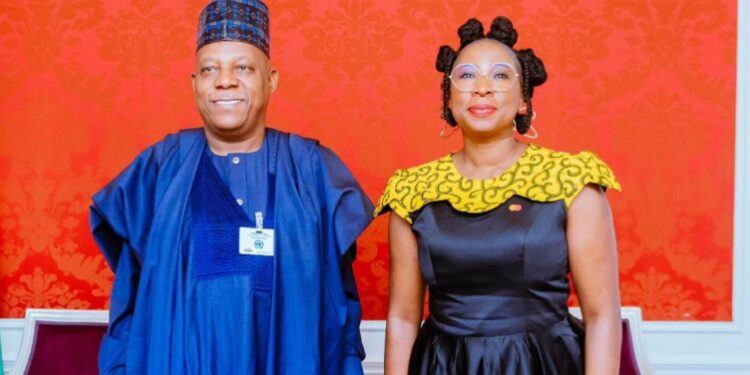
422,172
406,188
582,157
584,166
550,175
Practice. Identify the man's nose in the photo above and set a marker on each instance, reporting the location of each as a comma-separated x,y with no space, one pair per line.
226,78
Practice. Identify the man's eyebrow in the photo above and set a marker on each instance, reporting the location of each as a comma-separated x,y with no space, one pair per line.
237,58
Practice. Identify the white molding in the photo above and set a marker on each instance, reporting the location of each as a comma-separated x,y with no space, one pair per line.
742,173
741,271
11,333
373,339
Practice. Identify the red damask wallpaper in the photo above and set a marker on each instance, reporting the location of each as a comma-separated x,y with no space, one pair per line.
648,85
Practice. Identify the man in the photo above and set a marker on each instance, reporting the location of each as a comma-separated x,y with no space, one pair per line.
232,244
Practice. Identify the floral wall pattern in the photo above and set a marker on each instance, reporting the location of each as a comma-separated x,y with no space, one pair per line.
649,86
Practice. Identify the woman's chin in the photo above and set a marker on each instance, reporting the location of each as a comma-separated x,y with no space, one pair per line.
485,127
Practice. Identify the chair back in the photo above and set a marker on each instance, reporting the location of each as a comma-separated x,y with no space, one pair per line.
66,349
61,342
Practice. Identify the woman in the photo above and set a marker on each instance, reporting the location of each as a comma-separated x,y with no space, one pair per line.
493,230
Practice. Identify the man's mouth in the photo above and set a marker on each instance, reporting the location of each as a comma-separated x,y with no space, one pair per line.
226,102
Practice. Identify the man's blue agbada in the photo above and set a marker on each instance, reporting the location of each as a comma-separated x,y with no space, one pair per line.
168,315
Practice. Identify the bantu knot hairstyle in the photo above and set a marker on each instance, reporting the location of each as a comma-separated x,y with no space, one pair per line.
532,68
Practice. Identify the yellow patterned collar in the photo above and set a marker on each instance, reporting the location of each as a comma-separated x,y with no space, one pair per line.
540,174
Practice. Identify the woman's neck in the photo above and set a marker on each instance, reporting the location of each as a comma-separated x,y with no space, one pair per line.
488,158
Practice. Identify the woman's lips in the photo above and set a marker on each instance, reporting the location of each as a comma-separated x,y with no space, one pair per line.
482,110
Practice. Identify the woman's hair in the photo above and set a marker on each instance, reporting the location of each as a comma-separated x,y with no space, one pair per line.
532,68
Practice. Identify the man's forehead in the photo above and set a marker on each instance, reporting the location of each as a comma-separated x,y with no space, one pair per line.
230,51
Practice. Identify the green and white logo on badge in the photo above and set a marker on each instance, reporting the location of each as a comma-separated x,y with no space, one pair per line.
255,241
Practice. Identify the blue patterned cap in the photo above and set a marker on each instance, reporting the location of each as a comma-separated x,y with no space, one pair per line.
235,20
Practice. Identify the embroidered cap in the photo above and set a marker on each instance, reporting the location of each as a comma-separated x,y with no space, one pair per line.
235,20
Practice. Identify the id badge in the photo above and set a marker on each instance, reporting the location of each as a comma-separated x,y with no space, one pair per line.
256,241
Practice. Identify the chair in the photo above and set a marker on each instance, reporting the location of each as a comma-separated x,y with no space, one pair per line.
633,360
61,342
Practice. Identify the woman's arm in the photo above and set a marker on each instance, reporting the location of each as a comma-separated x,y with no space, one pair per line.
407,290
593,261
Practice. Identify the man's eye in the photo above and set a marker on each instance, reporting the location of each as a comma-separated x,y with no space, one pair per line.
208,69
244,68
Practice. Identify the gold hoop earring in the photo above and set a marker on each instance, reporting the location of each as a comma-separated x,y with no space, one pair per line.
527,135
445,127
531,129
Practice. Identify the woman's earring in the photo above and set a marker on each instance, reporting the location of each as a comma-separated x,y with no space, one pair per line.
443,131
531,128
530,136
535,135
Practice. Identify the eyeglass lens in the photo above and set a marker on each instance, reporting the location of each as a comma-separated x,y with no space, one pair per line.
501,77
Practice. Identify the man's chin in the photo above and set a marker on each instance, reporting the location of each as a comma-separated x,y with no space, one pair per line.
227,124
224,127
227,128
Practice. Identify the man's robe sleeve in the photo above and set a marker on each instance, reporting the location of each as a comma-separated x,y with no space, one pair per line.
120,219
354,352
346,213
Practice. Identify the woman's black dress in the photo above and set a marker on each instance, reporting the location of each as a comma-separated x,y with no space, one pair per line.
494,255
498,291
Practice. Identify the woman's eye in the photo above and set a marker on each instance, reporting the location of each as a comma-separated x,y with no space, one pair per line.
466,76
501,76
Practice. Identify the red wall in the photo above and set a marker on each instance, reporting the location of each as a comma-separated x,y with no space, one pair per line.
648,85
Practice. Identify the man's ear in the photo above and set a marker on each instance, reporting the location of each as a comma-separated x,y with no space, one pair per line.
273,78
192,78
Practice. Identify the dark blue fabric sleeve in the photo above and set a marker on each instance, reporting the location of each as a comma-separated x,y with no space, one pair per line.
347,208
120,216
354,352
346,212
112,356
122,210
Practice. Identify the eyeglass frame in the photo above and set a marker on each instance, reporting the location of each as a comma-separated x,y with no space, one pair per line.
515,78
